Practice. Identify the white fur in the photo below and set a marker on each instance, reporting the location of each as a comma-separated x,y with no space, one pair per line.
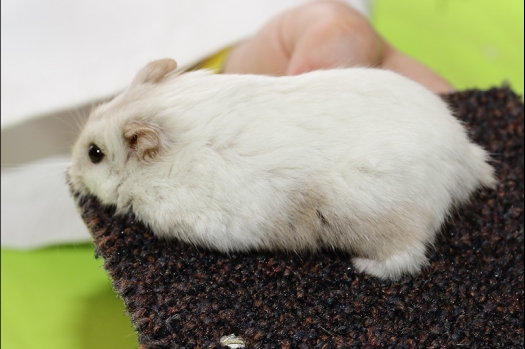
362,160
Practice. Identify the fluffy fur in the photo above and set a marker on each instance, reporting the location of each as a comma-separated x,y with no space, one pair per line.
362,160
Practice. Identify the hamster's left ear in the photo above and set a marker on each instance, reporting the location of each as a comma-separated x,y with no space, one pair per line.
154,72
143,140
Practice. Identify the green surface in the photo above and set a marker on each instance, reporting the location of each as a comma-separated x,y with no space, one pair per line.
61,298
471,43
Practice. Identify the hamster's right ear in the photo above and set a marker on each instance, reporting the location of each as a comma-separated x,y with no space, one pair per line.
154,72
143,140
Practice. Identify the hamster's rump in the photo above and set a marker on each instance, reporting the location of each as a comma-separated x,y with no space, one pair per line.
357,159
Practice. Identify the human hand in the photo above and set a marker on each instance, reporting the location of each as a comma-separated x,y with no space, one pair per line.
324,35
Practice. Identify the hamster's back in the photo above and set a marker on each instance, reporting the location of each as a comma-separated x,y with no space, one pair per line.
350,118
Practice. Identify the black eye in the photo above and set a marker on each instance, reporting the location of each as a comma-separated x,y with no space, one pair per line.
95,154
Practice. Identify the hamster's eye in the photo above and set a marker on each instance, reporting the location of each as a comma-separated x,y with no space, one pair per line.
95,154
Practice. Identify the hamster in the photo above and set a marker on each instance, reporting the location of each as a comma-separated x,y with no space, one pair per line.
360,160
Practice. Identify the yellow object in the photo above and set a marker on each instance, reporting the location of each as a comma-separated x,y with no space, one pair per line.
216,62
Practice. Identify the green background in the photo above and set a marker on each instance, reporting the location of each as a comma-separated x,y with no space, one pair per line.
471,43
60,297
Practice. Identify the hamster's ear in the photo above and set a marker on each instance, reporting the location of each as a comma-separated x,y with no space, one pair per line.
154,72
143,140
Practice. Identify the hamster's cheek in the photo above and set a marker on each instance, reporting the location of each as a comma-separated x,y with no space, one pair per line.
77,185
104,187
75,179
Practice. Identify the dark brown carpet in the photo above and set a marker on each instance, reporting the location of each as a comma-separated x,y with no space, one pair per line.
471,295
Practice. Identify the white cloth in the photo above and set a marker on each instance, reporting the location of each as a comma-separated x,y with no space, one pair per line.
58,56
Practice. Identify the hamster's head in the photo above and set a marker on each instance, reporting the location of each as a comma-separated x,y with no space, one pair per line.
119,138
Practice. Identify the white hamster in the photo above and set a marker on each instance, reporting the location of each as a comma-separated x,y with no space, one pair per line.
361,160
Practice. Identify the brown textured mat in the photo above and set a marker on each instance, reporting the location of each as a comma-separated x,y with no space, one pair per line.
471,295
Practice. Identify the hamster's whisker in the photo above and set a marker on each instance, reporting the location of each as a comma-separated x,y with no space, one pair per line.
33,165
